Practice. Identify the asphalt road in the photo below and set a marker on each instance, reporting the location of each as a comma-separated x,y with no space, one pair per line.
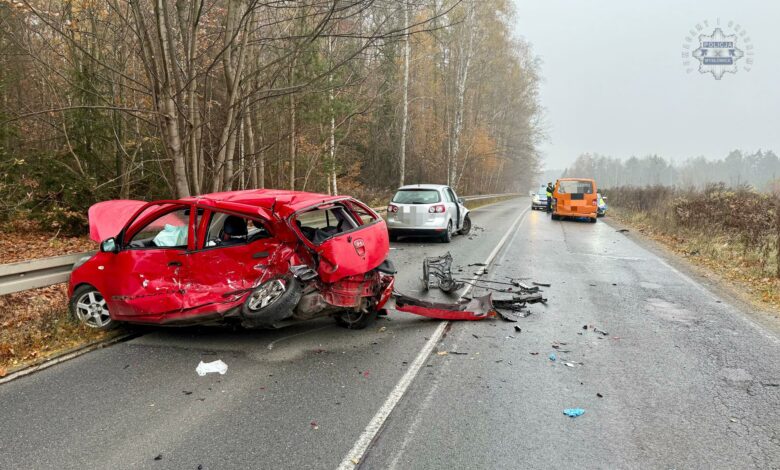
687,379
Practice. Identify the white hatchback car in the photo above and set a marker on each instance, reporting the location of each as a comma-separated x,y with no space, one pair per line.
427,210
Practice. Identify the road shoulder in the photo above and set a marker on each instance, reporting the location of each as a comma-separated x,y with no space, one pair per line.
710,280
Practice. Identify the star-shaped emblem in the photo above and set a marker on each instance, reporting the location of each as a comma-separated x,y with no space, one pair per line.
718,53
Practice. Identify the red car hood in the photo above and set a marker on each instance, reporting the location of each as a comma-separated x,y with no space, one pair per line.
108,218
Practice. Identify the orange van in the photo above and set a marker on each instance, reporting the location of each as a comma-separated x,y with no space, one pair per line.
575,197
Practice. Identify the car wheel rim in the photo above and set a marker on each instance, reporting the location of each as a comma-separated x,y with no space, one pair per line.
352,318
91,310
266,294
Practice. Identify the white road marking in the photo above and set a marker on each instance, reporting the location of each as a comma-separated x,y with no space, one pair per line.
358,451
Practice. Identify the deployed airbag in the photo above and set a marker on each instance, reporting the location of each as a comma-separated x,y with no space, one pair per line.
171,235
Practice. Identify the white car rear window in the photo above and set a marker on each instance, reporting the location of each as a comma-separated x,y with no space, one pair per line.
417,196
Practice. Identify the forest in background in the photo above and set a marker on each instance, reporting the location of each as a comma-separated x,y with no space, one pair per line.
145,99
759,170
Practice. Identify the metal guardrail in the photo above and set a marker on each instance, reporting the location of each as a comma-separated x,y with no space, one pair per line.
26,275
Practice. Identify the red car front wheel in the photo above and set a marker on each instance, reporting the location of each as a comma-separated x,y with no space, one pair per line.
89,308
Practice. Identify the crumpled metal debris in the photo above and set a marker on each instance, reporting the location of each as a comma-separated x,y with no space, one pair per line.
437,272
513,306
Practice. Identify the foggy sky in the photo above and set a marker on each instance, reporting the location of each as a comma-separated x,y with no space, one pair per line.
615,84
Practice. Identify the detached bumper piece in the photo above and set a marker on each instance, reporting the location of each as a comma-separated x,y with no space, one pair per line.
478,308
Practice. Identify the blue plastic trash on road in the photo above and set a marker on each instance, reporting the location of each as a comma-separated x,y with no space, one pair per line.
552,356
573,412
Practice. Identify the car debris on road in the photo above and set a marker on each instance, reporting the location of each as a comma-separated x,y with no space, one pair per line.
477,308
437,272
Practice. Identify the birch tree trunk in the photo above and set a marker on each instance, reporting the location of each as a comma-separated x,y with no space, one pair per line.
332,140
170,119
250,143
293,130
405,116
462,78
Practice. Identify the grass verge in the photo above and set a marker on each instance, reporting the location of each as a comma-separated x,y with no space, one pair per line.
35,325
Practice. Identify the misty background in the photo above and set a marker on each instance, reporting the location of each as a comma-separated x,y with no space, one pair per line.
615,87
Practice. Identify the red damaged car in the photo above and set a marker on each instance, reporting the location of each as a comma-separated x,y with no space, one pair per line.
259,258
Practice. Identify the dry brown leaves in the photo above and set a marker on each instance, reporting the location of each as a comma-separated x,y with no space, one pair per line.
21,246
34,324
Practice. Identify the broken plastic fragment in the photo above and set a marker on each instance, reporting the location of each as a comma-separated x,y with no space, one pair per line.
552,357
573,412
209,367
477,308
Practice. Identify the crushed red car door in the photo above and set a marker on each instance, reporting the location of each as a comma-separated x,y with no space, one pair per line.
223,269
151,270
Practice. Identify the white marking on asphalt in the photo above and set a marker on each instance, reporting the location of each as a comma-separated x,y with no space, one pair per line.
271,345
355,456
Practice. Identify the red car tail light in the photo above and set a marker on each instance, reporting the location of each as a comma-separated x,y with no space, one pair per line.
437,209
392,208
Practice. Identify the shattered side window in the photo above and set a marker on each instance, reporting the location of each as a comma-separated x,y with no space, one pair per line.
325,222
364,216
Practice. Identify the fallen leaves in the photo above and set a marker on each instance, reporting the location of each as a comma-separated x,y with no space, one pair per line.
34,325
23,245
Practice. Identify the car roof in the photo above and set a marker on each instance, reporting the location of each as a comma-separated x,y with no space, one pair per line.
577,179
423,186
282,202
